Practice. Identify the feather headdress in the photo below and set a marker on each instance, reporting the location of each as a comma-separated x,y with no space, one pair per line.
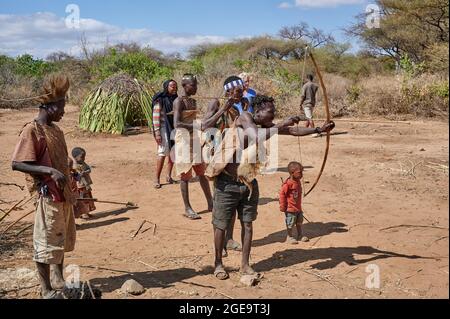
54,89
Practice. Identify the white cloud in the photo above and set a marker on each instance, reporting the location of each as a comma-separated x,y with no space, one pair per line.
318,3
42,33
285,5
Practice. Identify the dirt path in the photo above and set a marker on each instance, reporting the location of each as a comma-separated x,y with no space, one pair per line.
368,185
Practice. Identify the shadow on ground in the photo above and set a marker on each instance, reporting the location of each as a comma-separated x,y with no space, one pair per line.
311,230
328,258
150,279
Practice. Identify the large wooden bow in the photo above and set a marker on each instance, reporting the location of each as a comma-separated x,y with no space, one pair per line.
327,108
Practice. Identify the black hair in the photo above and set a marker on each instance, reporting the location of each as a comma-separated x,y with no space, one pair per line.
77,151
260,100
293,166
310,77
188,77
231,79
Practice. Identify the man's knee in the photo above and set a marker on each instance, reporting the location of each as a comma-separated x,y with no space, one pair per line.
247,226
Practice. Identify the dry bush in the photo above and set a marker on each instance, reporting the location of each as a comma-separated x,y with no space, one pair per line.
393,96
13,92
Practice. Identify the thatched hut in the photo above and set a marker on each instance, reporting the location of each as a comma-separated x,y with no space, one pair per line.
119,102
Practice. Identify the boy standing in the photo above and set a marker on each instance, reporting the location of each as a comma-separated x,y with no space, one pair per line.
291,203
84,182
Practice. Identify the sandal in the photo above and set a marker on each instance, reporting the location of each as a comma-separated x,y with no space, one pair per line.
234,245
193,216
86,216
53,295
157,186
221,274
170,181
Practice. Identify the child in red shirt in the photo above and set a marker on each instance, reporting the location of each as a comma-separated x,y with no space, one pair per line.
291,203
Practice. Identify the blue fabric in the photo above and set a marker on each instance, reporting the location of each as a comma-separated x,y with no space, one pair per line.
250,95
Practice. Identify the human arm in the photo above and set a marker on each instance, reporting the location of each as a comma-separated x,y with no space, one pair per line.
157,122
283,199
31,168
28,154
214,113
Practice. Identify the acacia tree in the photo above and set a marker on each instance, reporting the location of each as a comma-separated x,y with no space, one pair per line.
302,32
407,28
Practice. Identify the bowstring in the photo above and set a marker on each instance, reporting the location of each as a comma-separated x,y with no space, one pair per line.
298,137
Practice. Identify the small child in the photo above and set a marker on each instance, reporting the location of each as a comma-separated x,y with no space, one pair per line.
291,203
82,173
74,177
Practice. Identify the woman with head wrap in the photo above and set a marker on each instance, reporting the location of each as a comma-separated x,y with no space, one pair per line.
163,127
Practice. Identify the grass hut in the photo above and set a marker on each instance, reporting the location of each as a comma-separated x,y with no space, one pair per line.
119,102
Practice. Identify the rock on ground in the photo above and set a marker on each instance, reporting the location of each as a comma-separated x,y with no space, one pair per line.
132,287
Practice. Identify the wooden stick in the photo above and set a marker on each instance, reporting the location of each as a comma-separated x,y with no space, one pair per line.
365,121
11,226
24,229
205,98
90,289
413,226
139,229
321,278
13,184
221,293
11,209
106,202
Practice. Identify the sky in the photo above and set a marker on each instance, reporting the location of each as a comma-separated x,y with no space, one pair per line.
41,27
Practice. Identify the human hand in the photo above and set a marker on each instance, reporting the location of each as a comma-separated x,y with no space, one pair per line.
158,139
59,178
328,126
291,121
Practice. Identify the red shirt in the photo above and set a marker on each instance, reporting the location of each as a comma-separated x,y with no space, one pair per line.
291,197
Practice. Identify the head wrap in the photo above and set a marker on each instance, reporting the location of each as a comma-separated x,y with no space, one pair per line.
233,82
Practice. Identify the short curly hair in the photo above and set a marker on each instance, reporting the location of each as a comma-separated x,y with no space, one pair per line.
260,101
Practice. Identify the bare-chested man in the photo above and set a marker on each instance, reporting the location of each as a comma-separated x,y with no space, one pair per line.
222,119
185,114
232,194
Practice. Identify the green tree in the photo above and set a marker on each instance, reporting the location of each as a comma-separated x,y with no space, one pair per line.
406,27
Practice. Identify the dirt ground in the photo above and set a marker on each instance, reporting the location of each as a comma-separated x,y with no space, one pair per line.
369,185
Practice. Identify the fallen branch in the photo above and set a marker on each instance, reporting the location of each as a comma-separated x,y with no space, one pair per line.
19,289
90,289
11,209
221,293
145,264
14,223
413,226
142,225
139,229
13,184
321,278
437,240
24,229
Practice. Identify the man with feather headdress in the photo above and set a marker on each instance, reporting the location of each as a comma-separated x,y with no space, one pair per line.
41,154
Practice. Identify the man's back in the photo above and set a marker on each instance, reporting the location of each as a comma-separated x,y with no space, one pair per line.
309,92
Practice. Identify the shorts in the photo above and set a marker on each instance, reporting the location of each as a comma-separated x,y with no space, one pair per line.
164,147
292,219
231,196
199,170
54,231
309,112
